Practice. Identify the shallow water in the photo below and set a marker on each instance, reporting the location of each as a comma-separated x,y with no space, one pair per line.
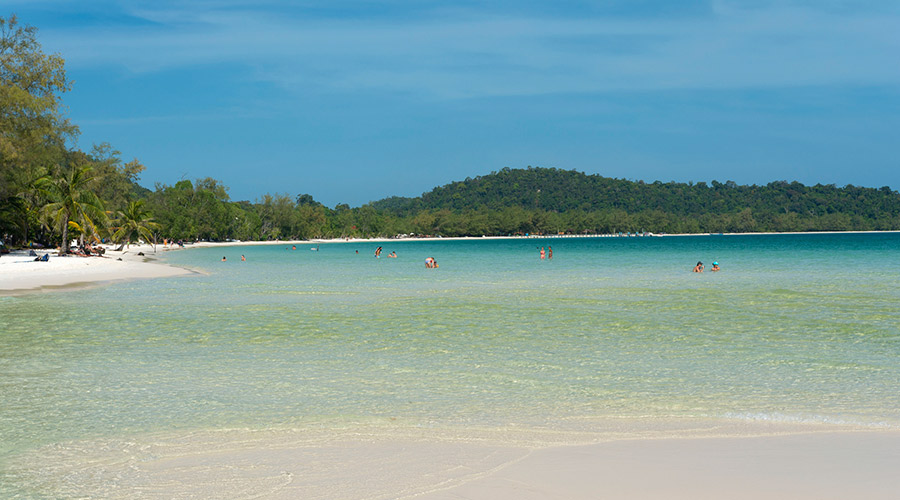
795,328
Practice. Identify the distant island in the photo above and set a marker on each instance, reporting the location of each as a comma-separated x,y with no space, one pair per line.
52,193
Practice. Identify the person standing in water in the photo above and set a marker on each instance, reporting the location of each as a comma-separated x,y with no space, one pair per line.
378,252
699,267
715,266
549,252
243,259
542,253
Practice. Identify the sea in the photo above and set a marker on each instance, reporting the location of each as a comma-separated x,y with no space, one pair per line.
613,335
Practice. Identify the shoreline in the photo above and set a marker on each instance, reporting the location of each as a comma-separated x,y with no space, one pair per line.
19,275
529,237
738,460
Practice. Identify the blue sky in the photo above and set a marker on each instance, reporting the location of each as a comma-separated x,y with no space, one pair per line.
353,101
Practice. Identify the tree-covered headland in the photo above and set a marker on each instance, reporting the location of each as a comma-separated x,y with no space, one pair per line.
51,192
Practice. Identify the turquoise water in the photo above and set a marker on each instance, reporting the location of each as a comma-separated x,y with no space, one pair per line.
796,328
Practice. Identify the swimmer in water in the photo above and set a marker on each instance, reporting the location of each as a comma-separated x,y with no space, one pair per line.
715,266
243,259
698,268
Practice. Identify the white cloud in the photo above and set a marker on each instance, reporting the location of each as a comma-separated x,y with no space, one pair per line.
480,55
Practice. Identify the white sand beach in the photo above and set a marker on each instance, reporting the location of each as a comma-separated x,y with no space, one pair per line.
19,273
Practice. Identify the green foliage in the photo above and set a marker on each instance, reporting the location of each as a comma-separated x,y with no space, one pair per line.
119,186
32,128
73,203
190,212
133,223
548,200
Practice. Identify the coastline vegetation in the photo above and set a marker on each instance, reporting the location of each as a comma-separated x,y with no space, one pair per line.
50,191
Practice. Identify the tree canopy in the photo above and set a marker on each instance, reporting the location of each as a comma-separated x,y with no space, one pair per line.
32,127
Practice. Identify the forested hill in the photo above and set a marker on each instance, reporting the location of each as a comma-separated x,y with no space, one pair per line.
561,191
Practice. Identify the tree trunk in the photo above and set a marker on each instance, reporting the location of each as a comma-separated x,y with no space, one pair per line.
64,249
25,229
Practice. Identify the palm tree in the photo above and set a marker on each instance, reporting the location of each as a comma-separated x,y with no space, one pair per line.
73,203
134,223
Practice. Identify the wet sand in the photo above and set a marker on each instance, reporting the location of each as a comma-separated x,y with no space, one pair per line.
807,466
241,463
